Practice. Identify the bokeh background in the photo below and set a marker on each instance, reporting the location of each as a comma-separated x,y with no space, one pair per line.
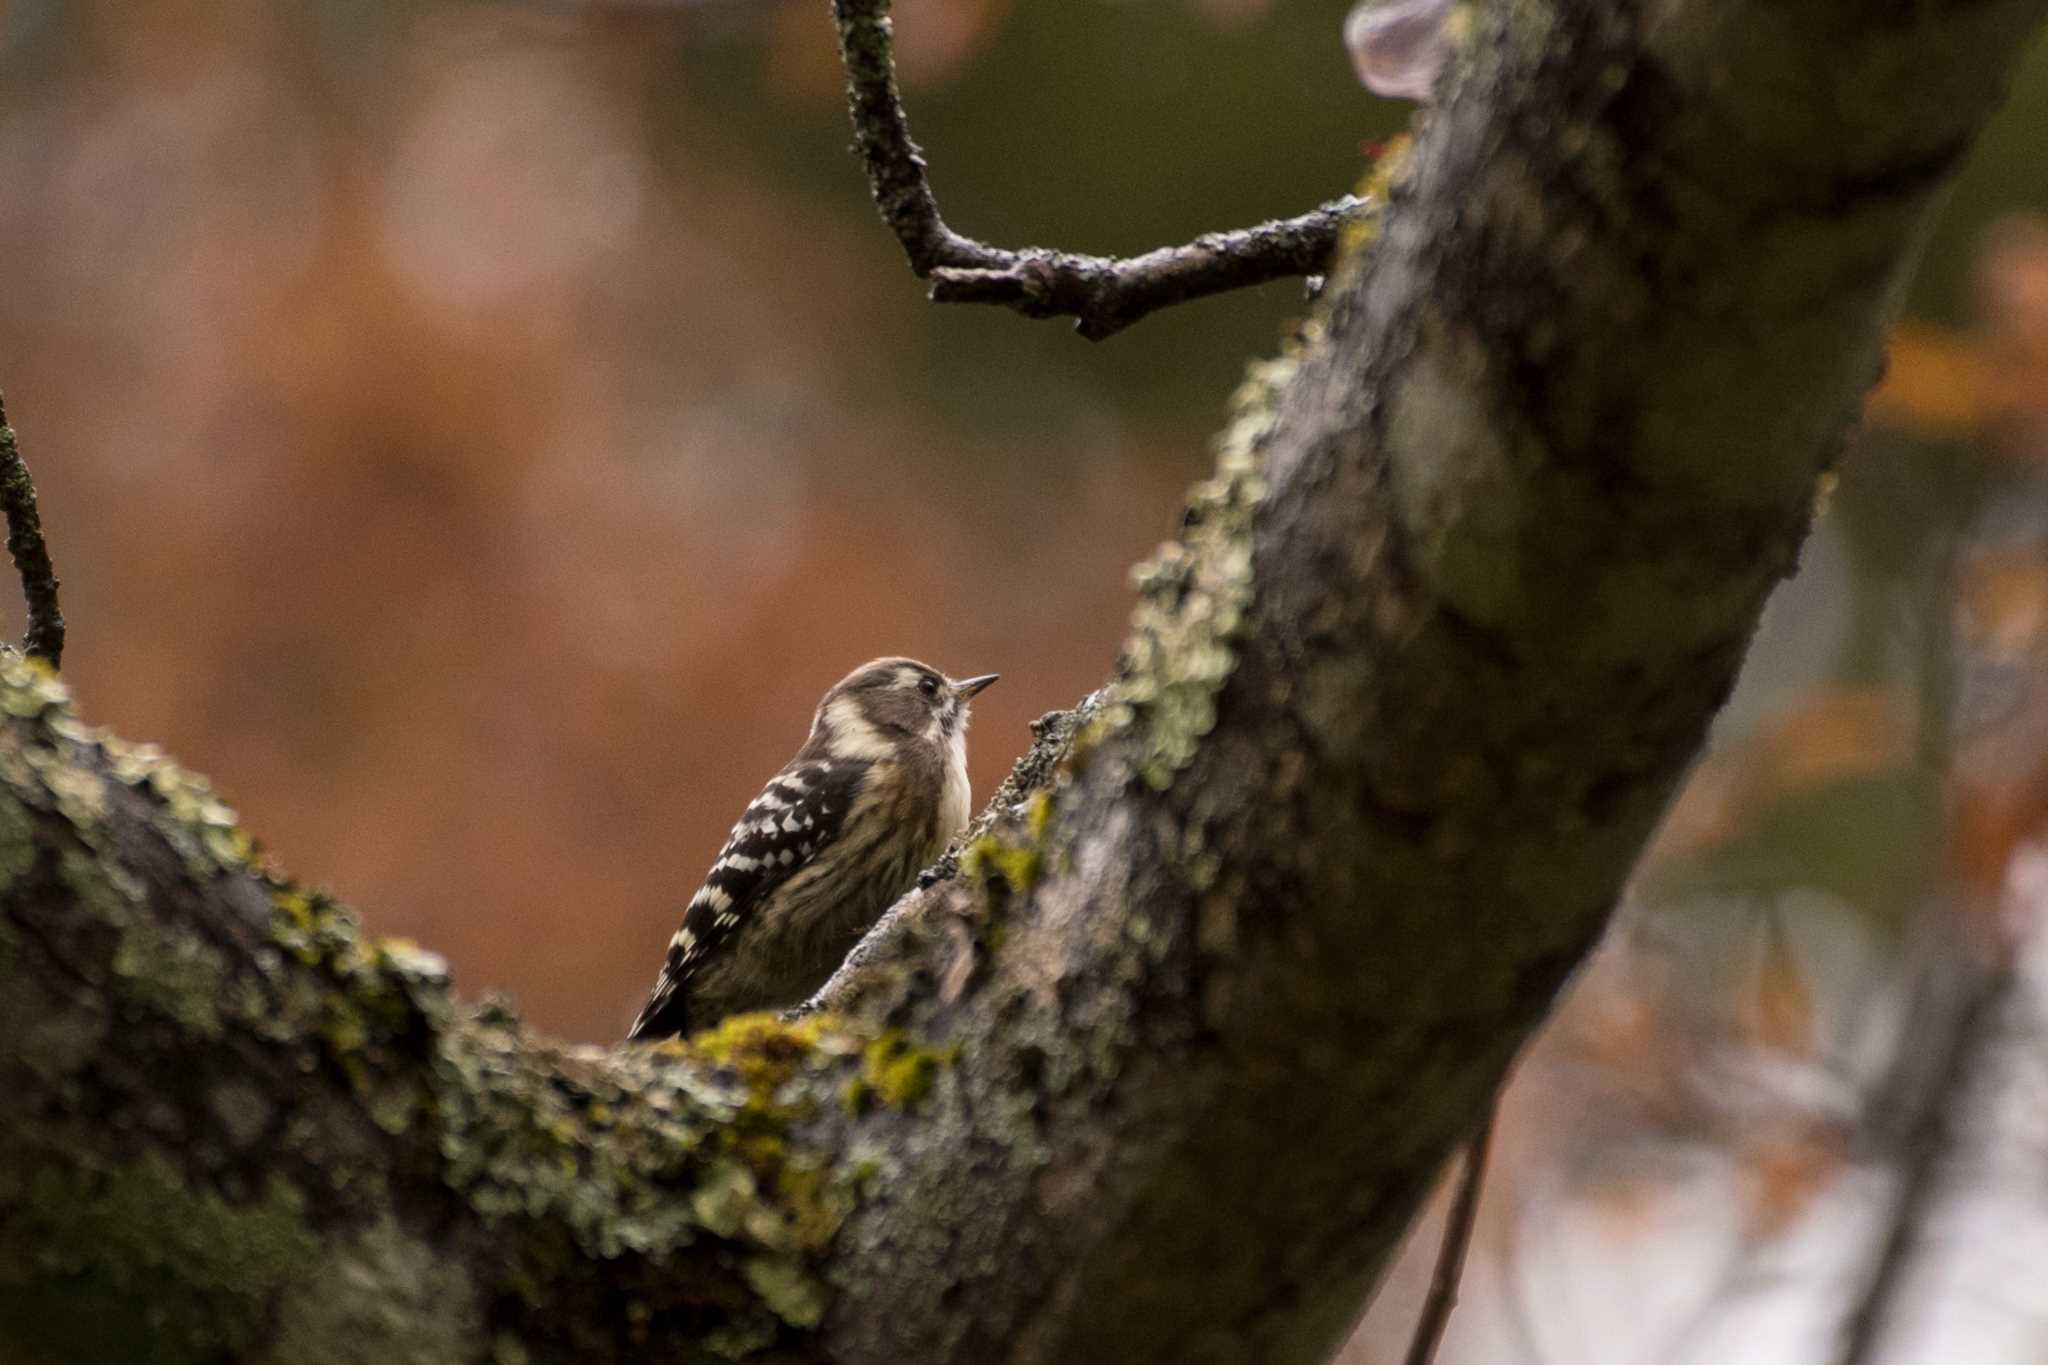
475,434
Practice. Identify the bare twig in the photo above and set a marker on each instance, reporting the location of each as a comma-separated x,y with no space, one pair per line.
1927,1150
1103,294
1450,1255
45,637
1984,721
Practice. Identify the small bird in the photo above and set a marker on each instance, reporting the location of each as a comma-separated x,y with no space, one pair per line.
875,794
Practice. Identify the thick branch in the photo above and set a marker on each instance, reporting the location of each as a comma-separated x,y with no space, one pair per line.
1103,294
1404,701
1164,1071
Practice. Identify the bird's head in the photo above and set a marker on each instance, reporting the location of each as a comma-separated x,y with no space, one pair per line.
887,702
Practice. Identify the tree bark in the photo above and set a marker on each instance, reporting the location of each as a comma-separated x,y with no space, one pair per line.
1163,1071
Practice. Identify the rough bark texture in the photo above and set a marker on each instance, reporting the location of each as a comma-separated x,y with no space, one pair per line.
1163,1071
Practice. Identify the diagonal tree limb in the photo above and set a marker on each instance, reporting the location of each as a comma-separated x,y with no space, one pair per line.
1103,294
45,636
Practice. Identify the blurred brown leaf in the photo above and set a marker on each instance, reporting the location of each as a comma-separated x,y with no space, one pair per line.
1835,733
1991,817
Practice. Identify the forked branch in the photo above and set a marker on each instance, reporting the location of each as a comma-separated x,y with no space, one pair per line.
1103,294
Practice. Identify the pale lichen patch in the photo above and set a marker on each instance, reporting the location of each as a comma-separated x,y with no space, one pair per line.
29,687
1194,593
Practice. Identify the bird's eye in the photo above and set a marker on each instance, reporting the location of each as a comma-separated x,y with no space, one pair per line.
928,686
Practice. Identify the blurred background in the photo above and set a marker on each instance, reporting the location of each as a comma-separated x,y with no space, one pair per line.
475,434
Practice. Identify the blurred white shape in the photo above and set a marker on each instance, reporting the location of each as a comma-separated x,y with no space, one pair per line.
517,172
1398,47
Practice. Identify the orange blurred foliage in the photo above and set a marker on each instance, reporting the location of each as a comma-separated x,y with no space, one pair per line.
1989,384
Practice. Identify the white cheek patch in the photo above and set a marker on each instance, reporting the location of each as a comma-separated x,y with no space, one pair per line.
852,736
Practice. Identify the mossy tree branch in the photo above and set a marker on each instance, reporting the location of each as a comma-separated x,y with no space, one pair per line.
1164,1070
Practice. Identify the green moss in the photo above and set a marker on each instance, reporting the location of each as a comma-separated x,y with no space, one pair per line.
135,1264
1038,813
1010,854
803,1204
763,1050
895,1072
1016,865
650,1150
766,1054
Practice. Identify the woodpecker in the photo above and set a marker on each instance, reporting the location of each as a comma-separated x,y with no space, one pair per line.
875,794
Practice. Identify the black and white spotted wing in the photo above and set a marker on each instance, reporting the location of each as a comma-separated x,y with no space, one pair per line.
794,819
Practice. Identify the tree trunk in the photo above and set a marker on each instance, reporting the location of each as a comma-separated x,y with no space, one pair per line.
1164,1070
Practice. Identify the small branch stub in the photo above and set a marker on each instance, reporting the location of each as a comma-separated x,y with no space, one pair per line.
1103,294
45,637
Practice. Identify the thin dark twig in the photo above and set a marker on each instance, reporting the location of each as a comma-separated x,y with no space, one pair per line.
1450,1254
1103,294
45,637
1928,1147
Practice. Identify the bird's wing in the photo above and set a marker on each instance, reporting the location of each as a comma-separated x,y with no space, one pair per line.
795,818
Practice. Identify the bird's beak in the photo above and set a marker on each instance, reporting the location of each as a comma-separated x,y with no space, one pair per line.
967,687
